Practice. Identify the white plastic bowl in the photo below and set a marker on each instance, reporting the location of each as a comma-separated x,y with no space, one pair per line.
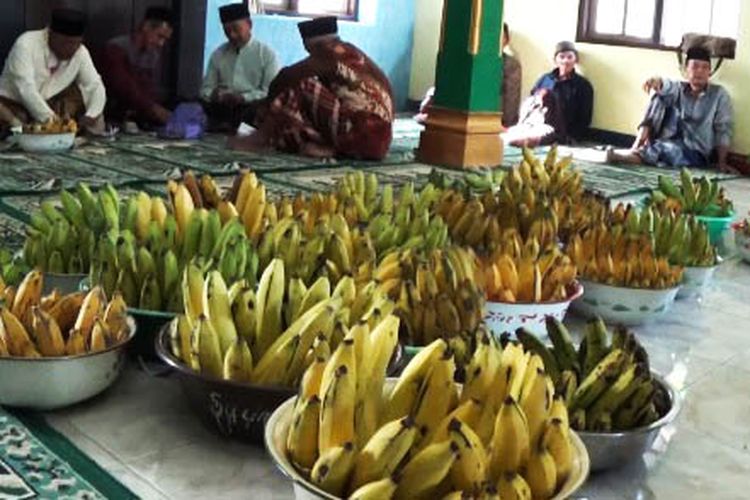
622,305
695,281
502,317
46,143
277,429
52,383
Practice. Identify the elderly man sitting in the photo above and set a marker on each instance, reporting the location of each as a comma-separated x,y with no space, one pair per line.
49,75
686,121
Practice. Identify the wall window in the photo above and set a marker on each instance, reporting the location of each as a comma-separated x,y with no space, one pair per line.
344,9
655,23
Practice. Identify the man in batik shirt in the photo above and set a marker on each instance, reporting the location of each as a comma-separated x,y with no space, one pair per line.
336,102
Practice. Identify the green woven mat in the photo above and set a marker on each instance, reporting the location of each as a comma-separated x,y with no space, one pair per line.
36,461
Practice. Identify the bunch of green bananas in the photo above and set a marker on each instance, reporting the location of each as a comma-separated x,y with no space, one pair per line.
697,196
607,385
12,268
477,182
680,237
271,334
409,223
437,294
63,240
501,433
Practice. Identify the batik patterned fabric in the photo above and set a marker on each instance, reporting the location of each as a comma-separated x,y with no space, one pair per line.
352,112
30,470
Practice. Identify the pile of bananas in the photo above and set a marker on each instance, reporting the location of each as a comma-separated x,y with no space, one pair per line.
424,437
330,249
63,240
607,385
32,325
696,196
52,126
608,254
522,272
270,335
438,294
679,237
477,182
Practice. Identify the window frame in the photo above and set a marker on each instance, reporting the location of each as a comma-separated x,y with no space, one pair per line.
586,33
292,11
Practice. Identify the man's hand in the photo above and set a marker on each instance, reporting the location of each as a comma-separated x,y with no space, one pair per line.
160,113
654,83
643,138
87,122
231,99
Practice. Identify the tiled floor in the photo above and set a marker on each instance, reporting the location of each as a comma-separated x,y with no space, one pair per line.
145,435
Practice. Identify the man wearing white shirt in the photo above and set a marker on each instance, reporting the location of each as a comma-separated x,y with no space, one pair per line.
239,71
49,74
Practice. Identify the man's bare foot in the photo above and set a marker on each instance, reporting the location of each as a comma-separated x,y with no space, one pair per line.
317,151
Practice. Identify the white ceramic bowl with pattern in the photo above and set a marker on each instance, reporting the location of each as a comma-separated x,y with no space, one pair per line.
501,317
695,281
623,305
46,143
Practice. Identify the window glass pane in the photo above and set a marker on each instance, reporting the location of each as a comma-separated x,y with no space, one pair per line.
275,4
323,6
726,18
609,16
639,22
672,21
698,16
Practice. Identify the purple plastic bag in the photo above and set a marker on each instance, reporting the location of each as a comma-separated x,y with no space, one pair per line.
188,121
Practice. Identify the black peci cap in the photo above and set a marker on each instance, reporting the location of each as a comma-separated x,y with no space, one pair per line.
320,26
233,12
68,22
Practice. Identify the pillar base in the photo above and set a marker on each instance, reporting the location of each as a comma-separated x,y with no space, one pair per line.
461,139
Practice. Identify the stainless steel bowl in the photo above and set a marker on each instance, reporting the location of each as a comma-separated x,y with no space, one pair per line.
613,449
52,383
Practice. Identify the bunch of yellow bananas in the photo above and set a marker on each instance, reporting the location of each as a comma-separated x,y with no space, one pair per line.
270,335
437,293
607,254
679,237
523,272
32,326
52,126
62,239
330,249
607,384
424,437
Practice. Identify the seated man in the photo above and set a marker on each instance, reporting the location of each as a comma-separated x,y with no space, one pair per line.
685,121
239,72
560,106
49,75
336,102
131,68
511,88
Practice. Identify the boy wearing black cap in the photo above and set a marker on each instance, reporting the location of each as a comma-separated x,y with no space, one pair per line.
336,102
131,68
49,74
239,71
686,121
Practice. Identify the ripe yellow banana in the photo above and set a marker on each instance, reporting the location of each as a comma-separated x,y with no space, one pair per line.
208,349
302,440
513,486
238,361
269,300
437,394
426,470
541,474
192,291
100,336
76,343
245,315
92,307
338,392
510,440
49,339
15,337
556,439
403,396
383,453
469,471
376,490
333,467
29,294
116,317
536,402
218,310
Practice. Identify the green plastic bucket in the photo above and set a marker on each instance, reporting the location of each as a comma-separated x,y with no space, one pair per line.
716,226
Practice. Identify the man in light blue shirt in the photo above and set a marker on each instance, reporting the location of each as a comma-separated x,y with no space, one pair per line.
239,71
686,121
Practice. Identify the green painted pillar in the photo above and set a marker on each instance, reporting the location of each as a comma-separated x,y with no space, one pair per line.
469,65
464,122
